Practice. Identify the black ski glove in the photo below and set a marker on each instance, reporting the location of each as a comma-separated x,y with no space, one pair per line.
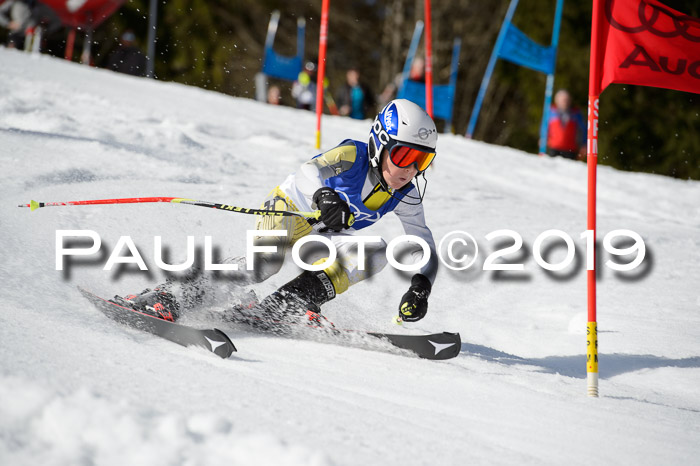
335,212
414,304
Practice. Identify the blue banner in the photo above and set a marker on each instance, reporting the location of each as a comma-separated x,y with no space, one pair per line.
279,66
521,50
443,96
513,45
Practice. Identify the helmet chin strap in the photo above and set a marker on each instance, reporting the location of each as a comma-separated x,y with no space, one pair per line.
421,195
390,191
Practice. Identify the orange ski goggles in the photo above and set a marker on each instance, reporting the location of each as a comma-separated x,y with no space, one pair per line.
404,157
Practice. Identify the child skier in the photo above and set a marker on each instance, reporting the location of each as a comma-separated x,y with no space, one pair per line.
353,185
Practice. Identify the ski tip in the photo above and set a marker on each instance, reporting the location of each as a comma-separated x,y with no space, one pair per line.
33,205
229,349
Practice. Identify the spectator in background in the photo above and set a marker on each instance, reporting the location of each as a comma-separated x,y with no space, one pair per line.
45,17
127,58
304,88
274,95
355,98
417,72
16,16
566,133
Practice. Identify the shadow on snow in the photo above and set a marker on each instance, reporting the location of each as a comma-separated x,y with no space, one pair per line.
575,365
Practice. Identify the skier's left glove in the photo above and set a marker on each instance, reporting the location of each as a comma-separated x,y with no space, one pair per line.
414,303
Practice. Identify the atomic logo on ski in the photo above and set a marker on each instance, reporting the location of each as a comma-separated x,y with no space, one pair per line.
215,344
440,346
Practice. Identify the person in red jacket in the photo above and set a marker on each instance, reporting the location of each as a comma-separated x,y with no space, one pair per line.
566,134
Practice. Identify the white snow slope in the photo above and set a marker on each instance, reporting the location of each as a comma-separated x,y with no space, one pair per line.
78,388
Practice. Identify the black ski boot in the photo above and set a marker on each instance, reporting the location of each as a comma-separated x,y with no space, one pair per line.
300,298
158,302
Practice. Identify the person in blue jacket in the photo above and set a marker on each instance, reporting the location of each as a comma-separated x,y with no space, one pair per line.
353,185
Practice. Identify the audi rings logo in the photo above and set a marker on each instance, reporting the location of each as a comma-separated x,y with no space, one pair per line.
648,15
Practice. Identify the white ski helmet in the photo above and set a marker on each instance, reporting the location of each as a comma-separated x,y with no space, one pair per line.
401,123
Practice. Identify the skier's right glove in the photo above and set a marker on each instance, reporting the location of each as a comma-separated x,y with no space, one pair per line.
335,212
414,303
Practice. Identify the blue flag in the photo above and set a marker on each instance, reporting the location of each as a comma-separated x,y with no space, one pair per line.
521,50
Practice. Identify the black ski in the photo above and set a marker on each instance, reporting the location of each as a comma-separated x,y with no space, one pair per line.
213,340
443,345
436,346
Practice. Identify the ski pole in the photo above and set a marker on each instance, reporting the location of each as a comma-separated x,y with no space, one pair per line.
33,205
